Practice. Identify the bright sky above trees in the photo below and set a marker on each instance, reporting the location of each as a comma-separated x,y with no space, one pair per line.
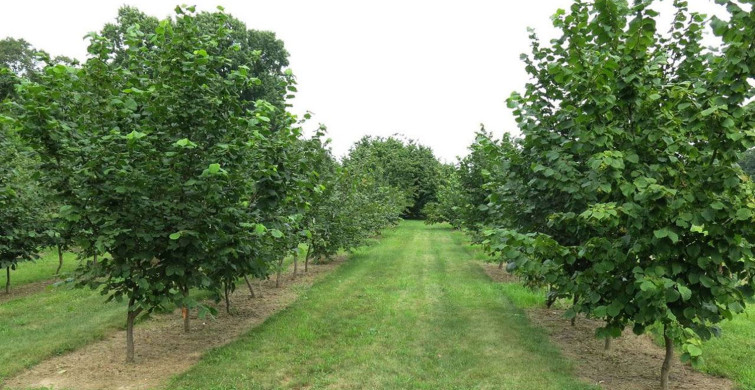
431,70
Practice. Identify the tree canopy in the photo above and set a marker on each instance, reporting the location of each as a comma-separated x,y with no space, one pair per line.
624,193
406,166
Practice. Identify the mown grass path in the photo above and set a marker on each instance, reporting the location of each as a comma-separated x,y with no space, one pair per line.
412,312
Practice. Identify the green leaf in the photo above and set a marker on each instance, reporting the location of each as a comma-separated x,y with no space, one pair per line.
130,104
660,233
276,233
175,236
694,350
719,26
134,135
143,283
706,281
186,143
709,111
743,214
213,168
684,291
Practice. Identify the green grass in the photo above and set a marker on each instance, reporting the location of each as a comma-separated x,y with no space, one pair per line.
40,269
733,354
57,320
413,312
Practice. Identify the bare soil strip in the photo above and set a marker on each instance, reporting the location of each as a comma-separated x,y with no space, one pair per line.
162,349
632,363
499,274
26,290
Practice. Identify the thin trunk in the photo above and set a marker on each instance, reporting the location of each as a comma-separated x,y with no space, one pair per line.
227,301
607,345
306,257
666,367
574,302
185,313
500,264
296,262
60,260
94,259
249,284
278,273
130,317
7,280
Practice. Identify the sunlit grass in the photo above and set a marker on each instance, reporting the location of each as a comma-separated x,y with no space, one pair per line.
412,312
733,354
40,269
52,322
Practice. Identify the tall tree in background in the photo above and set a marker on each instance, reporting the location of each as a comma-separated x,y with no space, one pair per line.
747,162
20,58
407,166
21,217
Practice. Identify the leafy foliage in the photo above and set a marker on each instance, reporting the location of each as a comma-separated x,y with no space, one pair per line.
407,166
22,228
624,193
170,154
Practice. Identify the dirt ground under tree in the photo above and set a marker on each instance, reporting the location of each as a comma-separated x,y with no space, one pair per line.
632,362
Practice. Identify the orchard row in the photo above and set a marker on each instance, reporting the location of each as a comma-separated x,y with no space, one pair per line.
169,159
624,195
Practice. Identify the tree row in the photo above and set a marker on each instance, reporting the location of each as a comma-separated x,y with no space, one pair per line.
624,196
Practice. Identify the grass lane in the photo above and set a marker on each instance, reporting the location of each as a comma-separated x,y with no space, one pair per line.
52,322
41,269
733,354
412,312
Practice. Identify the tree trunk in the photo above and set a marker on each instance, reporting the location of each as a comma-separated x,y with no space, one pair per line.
130,317
306,258
249,284
500,264
7,280
185,313
60,260
94,259
607,345
296,262
574,319
227,301
278,273
666,367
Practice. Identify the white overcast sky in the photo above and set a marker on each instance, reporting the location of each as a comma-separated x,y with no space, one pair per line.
431,70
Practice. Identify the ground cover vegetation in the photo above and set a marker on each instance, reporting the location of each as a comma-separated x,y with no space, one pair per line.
168,161
384,320
624,195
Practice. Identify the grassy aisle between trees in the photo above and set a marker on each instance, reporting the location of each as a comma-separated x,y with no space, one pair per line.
51,322
732,354
410,312
40,269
